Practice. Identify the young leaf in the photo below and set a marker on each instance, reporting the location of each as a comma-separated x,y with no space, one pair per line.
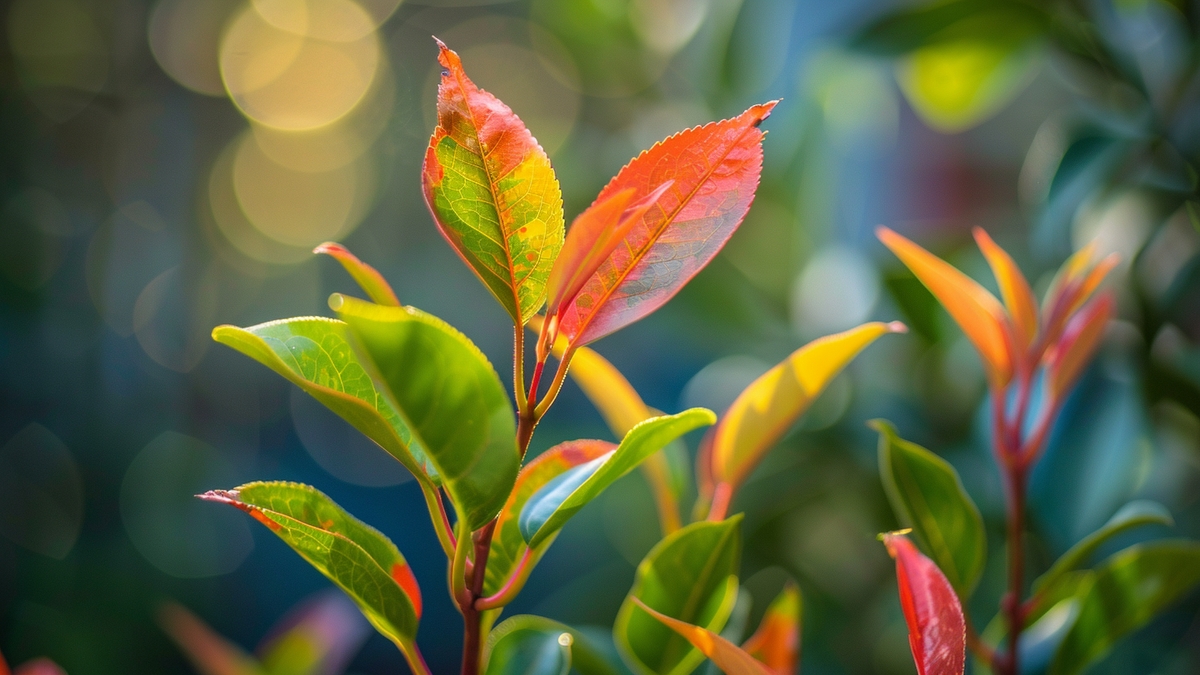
729,657
314,353
492,192
1014,289
688,576
777,640
551,506
367,277
767,408
513,638
1133,515
975,310
936,628
361,561
1078,343
447,393
928,496
1128,590
715,169
207,651
508,546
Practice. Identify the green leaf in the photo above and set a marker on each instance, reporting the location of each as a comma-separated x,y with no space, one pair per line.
927,495
904,31
533,644
1128,590
550,508
367,277
688,576
314,353
1133,515
361,561
447,393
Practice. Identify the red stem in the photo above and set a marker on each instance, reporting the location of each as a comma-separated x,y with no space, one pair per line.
500,597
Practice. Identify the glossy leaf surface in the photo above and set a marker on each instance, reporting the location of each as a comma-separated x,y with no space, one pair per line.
1014,289
1128,590
508,546
936,628
729,657
715,169
505,645
776,643
361,561
975,310
551,506
367,277
448,395
314,353
766,409
688,576
519,647
927,495
492,192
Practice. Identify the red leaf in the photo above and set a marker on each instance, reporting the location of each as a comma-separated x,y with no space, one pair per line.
369,278
936,628
777,640
715,169
1078,343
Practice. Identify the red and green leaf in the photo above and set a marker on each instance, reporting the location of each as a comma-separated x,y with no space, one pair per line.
492,192
715,171
936,627
777,640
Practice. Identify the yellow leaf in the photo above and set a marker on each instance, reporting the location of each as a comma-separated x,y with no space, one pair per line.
1018,298
954,85
729,657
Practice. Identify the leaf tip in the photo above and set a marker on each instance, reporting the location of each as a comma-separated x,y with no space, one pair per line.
220,496
337,301
330,248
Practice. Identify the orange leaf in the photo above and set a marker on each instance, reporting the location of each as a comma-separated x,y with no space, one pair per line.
728,656
777,640
936,628
1018,298
1078,343
975,310
371,281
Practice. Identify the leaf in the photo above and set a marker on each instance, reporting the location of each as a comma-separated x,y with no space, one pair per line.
688,576
492,192
928,496
508,546
715,169
1128,590
1014,289
903,31
936,628
975,310
367,277
777,640
766,409
320,637
524,633
729,657
447,393
528,648
314,353
1133,515
207,651
361,561
1078,343
551,506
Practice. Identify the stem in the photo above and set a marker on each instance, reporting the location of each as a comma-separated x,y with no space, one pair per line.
722,496
416,661
1016,476
977,646
519,365
555,386
535,381
472,633
441,521
511,587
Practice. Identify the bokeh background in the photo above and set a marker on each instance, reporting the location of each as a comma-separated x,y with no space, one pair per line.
167,166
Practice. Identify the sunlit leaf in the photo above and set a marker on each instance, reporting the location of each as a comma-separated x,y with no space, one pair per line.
492,191
508,546
715,169
208,652
511,642
928,496
1128,590
688,576
729,657
936,628
314,353
1133,515
361,561
367,277
548,509
975,310
449,396
777,640
1080,338
767,408
1014,289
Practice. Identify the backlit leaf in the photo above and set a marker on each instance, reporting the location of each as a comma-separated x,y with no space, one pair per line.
361,561
1014,289
936,628
766,409
928,496
1080,338
688,576
551,506
367,277
715,169
777,640
1128,590
207,651
975,310
492,192
449,396
729,657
